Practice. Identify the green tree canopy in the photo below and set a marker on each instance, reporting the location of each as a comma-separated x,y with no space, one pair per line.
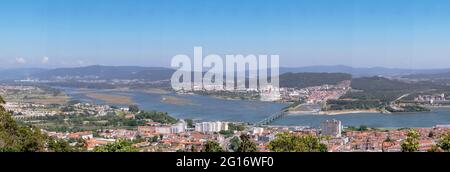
118,146
24,138
246,144
2,102
59,145
234,144
444,143
133,108
411,143
161,117
18,138
434,148
287,142
212,146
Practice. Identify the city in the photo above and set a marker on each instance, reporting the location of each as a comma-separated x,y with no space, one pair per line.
91,126
134,85
223,84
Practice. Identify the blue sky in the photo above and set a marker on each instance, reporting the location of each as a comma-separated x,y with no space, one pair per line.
360,33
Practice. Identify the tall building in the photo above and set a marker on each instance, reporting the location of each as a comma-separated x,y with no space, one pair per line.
179,127
331,128
258,130
210,127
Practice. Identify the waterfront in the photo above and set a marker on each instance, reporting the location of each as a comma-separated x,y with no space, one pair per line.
204,108
207,108
374,120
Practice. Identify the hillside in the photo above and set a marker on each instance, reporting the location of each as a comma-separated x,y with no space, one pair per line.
361,72
379,93
303,80
386,90
161,73
438,78
429,76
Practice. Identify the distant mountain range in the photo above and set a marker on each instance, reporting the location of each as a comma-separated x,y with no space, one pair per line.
17,74
90,72
435,76
363,72
106,73
161,73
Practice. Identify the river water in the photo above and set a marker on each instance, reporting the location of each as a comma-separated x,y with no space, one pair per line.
207,108
375,120
204,108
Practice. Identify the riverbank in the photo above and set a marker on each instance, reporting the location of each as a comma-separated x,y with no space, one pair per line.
342,112
440,116
156,91
302,112
111,99
176,101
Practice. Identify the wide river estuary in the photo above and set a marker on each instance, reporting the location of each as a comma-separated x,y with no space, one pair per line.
207,108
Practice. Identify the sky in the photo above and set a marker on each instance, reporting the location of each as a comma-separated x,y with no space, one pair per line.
359,33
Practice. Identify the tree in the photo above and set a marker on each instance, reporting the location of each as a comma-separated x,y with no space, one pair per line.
411,143
287,142
18,138
236,127
190,123
444,143
234,144
160,117
133,108
388,139
193,148
212,146
363,128
59,145
118,146
154,139
30,139
246,145
1,103
434,148
80,145
15,137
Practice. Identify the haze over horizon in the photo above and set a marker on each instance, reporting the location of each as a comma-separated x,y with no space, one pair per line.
408,34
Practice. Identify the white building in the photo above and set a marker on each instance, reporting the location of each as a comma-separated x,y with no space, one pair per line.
179,127
258,130
210,127
270,94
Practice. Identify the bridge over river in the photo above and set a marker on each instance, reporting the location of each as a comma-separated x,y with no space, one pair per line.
272,118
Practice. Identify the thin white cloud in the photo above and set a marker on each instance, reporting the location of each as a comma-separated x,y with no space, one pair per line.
45,60
20,60
80,62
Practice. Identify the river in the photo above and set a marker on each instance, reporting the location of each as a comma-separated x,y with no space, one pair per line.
207,108
204,108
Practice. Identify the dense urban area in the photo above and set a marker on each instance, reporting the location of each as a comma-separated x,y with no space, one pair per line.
38,116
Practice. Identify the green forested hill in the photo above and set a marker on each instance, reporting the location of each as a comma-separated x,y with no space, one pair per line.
379,93
386,90
16,138
22,138
303,80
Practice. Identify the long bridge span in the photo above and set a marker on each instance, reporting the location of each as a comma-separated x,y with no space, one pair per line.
272,118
